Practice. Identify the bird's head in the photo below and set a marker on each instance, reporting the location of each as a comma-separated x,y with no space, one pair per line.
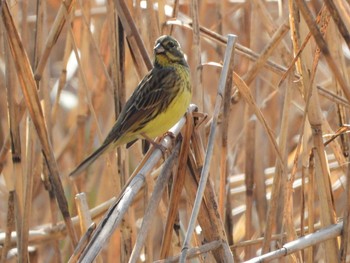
167,51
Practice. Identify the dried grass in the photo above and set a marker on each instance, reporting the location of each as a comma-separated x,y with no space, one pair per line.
271,136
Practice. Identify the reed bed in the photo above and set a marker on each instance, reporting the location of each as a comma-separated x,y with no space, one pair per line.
258,171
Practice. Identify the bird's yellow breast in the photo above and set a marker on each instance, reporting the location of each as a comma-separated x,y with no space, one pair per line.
168,118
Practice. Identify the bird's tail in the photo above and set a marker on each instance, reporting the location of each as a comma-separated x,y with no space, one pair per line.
89,160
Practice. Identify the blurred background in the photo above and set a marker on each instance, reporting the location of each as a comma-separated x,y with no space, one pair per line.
95,63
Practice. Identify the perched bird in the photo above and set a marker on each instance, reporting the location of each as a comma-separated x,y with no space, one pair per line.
158,102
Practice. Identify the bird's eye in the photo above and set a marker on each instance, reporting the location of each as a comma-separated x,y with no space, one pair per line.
171,45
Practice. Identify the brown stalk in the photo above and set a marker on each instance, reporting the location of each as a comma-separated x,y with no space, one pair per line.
323,46
310,192
177,189
325,234
288,180
62,79
152,23
288,211
244,89
191,185
136,45
194,252
338,21
266,53
65,8
209,218
10,225
82,243
315,119
271,28
320,15
7,142
226,75
161,183
240,49
28,181
196,49
346,223
89,39
117,64
174,15
224,148
16,152
29,90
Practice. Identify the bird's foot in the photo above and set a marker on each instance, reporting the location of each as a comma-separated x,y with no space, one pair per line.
156,145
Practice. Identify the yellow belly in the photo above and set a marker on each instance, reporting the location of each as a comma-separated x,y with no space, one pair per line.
164,121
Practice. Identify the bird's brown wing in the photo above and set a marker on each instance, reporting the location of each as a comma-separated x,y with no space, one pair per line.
153,94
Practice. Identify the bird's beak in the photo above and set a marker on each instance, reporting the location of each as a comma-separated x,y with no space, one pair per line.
159,49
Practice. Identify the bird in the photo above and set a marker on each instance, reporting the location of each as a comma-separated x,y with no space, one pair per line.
160,99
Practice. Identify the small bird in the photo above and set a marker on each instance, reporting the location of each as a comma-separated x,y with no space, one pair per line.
158,102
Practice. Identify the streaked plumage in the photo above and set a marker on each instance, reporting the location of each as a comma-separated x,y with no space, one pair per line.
157,103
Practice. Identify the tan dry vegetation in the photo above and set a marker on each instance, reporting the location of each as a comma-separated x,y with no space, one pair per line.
276,134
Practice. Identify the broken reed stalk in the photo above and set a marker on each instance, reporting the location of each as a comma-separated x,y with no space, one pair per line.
223,84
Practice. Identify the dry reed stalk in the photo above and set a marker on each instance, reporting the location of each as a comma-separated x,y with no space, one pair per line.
265,54
226,75
62,79
177,187
194,252
211,226
28,86
321,14
346,224
110,75
56,29
333,10
162,180
58,231
240,49
82,243
312,239
323,46
135,42
288,180
16,152
196,51
28,181
310,192
244,90
10,225
173,16
224,148
88,38
321,165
